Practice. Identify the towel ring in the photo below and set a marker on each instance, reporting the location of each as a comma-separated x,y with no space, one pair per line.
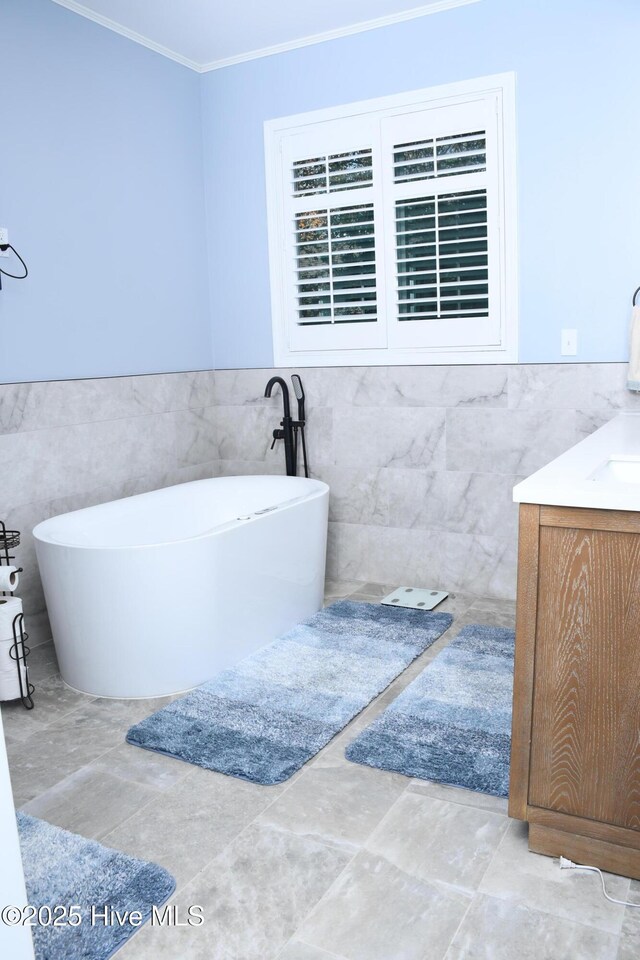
633,301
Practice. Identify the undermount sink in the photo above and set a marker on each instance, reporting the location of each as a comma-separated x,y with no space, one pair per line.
618,470
602,472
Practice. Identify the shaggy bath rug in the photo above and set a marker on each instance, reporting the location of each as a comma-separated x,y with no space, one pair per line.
453,723
264,718
61,868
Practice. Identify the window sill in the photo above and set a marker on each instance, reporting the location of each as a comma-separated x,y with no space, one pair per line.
395,358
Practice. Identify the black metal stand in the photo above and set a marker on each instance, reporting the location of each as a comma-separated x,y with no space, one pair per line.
9,539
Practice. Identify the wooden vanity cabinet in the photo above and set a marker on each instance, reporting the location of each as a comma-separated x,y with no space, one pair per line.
575,753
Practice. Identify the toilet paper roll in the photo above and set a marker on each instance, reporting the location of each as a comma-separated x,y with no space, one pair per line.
10,607
9,679
9,578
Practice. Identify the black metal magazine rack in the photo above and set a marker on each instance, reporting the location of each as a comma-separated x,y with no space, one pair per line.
19,651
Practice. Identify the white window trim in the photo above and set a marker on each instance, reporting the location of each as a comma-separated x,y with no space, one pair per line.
507,351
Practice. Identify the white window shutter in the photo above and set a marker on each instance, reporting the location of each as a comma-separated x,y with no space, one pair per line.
332,239
392,229
442,199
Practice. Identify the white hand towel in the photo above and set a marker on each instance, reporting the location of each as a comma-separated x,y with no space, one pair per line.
633,376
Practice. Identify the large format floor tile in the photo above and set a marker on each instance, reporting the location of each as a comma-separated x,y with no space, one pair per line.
189,824
342,804
528,879
254,895
48,756
342,862
90,802
377,909
629,948
54,701
497,930
438,841
143,766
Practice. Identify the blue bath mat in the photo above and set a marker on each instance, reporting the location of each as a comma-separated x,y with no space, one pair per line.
62,868
453,723
263,719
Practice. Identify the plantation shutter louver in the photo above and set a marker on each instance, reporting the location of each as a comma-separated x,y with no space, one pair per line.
442,204
331,239
442,256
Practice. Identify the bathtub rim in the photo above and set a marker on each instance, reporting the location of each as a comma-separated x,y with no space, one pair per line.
175,694
318,489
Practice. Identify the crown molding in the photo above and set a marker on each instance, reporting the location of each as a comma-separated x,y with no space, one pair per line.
129,34
361,27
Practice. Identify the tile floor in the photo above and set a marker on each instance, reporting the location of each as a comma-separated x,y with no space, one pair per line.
342,862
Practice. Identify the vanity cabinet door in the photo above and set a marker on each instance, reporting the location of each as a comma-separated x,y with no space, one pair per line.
585,734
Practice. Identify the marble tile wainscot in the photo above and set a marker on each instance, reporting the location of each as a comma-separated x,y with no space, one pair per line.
422,460
73,443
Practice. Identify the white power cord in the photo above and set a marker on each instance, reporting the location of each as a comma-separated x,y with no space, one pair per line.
570,865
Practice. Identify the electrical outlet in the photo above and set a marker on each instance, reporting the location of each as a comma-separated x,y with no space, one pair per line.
569,343
4,238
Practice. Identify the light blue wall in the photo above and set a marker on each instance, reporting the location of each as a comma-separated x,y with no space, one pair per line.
101,187
578,145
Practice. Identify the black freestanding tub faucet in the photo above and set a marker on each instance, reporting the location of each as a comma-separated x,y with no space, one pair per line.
286,433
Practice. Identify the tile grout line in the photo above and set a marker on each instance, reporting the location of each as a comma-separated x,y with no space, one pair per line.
406,791
115,776
324,896
417,781
346,867
457,930
84,766
47,726
495,853
176,465
545,913
542,913
329,953
362,847
121,419
473,898
133,416
143,806
231,839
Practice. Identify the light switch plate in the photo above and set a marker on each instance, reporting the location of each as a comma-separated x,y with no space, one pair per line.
416,598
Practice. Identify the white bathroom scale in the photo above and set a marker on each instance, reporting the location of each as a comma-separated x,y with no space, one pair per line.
417,598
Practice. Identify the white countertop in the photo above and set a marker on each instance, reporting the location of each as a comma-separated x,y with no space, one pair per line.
569,481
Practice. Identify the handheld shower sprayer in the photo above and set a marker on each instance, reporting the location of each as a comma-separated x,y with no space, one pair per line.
299,424
299,392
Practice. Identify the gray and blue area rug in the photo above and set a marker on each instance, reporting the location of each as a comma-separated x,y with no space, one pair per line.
266,717
63,868
453,723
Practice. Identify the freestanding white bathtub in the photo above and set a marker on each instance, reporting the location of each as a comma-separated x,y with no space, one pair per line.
155,594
